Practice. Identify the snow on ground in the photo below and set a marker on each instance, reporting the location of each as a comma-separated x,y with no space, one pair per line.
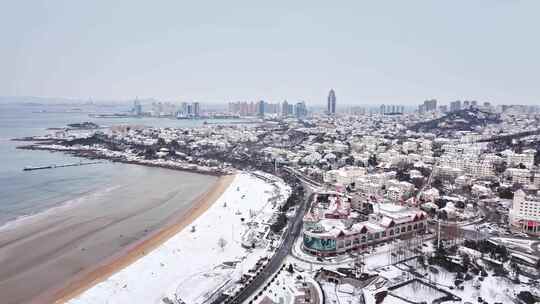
492,289
418,292
287,288
189,265
517,244
343,293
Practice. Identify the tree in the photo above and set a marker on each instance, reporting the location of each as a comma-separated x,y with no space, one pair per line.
505,193
174,144
515,269
379,297
527,297
443,215
161,142
372,161
222,243
418,182
280,222
440,252
437,183
149,153
466,260
500,167
290,269
421,260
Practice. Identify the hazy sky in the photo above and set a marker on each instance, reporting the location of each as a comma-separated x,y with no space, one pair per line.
368,51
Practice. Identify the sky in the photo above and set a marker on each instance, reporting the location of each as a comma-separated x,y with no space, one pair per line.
370,52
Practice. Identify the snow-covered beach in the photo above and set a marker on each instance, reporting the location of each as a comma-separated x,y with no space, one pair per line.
208,256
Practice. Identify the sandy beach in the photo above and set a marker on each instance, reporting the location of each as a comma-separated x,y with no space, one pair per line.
55,255
124,258
196,265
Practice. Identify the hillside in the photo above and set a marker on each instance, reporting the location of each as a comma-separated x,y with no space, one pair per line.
463,120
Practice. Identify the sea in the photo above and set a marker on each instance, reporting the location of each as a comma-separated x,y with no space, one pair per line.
26,193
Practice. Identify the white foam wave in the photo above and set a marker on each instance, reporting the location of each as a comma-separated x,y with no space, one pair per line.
28,218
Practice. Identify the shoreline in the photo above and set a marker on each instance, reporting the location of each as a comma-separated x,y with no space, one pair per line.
95,155
205,264
123,258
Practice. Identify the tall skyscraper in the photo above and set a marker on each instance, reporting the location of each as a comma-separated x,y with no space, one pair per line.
285,109
261,108
137,108
196,109
331,107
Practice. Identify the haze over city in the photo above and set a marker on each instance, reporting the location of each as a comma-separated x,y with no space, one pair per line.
370,53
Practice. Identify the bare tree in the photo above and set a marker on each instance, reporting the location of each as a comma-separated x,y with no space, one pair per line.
222,243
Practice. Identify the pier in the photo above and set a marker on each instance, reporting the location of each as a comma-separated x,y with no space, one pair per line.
60,166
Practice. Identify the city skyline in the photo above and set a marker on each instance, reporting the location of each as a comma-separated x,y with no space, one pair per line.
369,53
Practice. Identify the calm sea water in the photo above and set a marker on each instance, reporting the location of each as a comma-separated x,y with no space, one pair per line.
28,192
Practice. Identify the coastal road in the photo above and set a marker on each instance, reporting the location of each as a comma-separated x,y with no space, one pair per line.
293,231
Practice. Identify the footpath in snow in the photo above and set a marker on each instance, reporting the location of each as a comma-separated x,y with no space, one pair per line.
207,256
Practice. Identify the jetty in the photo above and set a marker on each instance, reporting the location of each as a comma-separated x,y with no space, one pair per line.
60,166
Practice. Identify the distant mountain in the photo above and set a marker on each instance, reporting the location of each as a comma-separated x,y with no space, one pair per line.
463,120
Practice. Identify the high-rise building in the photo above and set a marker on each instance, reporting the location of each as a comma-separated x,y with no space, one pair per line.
443,108
137,108
455,106
331,106
300,110
285,108
196,109
261,108
191,110
391,109
429,105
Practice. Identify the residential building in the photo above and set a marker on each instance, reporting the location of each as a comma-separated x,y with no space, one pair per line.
525,212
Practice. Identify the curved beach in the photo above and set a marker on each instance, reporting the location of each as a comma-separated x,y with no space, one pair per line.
196,265
57,254
87,279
